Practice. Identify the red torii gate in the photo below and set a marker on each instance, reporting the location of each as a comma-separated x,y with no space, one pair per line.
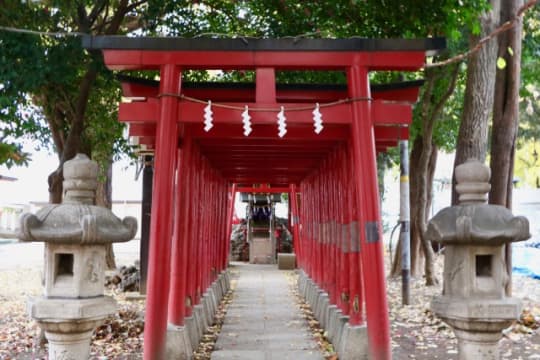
339,241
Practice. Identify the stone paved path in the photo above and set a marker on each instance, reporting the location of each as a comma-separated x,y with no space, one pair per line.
263,322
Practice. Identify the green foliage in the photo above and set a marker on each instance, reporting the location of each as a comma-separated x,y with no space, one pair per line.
530,77
41,76
12,154
527,165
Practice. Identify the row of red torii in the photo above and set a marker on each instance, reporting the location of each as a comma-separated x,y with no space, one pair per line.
202,159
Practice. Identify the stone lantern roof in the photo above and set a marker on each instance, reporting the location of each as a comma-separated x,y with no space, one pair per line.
77,220
473,221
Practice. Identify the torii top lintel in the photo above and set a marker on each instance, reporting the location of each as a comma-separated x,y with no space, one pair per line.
262,156
125,53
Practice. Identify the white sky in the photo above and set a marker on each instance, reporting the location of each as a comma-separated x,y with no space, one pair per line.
32,180
31,184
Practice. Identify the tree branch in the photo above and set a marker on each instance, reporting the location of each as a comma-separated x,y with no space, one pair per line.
449,91
82,18
57,131
99,27
426,96
502,28
117,18
67,101
135,5
98,8
72,144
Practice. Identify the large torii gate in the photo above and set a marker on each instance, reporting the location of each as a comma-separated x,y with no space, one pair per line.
200,160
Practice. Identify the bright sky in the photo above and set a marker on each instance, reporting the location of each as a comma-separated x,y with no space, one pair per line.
32,183
32,180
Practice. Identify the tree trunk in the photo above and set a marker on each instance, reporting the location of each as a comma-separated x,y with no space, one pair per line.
56,188
506,109
473,130
104,198
506,117
431,278
440,85
417,245
420,216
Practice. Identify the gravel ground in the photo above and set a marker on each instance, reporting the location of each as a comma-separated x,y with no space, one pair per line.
21,278
416,333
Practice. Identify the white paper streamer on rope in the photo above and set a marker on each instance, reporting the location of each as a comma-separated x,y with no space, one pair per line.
282,126
208,120
317,119
246,121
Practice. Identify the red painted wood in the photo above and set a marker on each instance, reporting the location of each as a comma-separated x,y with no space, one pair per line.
232,198
162,220
389,113
192,112
335,169
179,257
354,230
333,232
363,146
263,190
226,228
295,221
189,225
198,227
265,85
267,132
206,224
131,89
175,310
344,197
295,60
384,113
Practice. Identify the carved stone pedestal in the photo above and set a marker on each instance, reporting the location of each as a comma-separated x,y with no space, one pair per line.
69,325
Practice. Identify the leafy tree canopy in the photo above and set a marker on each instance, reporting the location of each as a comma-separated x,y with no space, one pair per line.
53,91
530,76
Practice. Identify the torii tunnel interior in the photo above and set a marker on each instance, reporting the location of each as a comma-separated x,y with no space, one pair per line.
330,173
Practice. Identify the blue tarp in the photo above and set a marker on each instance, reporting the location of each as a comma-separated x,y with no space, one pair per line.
526,261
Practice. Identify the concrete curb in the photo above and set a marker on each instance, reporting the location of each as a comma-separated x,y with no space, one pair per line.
178,343
350,342
182,340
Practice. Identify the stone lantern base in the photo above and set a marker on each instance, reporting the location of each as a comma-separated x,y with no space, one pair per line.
496,310
478,345
69,323
477,323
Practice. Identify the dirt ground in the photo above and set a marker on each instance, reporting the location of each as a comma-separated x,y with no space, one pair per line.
416,333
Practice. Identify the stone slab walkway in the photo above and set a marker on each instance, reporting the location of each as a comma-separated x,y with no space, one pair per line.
263,322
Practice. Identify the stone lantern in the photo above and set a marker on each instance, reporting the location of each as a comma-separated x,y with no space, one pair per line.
75,234
474,301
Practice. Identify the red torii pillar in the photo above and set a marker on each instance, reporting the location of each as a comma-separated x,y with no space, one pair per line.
162,220
230,213
179,258
295,221
371,253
